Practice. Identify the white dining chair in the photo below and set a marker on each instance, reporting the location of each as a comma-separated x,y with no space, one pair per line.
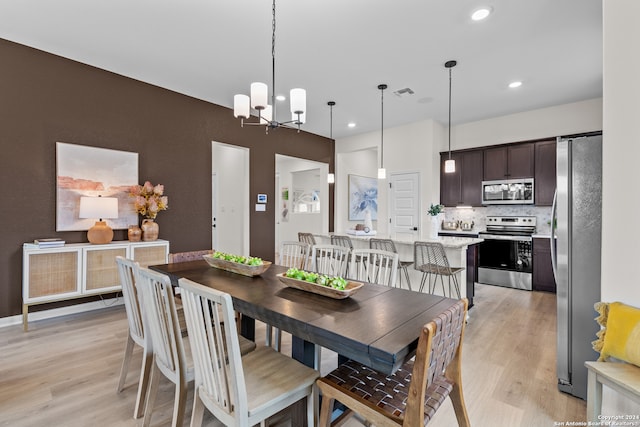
127,270
374,266
238,391
331,260
163,335
291,254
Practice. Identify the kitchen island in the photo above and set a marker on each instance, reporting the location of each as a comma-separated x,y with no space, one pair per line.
461,252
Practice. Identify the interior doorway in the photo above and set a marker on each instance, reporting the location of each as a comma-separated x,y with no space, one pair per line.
230,198
302,198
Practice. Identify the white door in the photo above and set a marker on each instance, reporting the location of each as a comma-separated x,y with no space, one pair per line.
230,198
404,206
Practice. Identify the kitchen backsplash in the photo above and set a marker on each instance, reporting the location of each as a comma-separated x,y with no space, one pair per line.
479,215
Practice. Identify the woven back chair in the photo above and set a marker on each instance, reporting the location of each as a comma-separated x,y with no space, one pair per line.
188,256
411,396
331,260
307,238
431,259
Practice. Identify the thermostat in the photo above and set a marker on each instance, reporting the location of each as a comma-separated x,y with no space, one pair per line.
262,198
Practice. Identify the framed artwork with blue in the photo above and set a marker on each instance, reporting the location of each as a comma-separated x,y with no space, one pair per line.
363,196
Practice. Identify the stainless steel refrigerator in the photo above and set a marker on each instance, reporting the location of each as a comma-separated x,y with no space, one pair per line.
577,226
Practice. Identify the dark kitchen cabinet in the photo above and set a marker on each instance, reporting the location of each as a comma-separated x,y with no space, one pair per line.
545,172
542,277
464,186
509,162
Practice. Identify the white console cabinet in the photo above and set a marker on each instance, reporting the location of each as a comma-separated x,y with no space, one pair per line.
79,269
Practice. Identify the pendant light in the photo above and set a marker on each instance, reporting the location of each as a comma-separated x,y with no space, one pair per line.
331,178
450,164
259,98
382,172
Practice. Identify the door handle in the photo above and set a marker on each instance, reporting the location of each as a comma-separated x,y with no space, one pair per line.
415,229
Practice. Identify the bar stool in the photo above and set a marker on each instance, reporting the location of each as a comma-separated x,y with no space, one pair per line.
389,246
431,259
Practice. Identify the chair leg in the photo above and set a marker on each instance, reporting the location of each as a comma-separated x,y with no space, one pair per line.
406,274
456,286
197,414
128,350
454,374
278,339
151,395
179,404
422,282
143,383
325,412
269,335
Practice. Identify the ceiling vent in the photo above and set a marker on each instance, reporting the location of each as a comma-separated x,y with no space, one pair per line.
403,92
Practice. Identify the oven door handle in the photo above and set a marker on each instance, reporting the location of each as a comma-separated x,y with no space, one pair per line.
502,237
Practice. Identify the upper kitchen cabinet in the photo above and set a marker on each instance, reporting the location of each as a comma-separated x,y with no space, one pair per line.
509,162
464,186
545,172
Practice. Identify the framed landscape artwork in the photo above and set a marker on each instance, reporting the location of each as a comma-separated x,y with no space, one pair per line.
363,196
91,171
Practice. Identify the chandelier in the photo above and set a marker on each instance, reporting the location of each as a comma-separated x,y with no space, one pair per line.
259,97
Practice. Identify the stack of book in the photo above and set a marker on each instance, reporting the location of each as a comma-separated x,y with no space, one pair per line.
49,243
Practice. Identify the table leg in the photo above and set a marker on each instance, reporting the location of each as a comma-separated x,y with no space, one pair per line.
248,327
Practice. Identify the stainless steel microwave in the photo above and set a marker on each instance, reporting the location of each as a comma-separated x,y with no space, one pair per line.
508,192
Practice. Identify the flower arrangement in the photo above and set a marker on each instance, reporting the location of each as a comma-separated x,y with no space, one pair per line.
149,199
434,210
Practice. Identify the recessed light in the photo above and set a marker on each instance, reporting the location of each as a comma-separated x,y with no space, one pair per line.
280,98
481,14
351,125
515,84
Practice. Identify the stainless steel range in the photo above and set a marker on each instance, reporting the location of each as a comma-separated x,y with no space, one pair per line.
505,257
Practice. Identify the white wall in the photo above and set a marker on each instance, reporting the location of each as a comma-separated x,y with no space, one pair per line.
621,151
417,147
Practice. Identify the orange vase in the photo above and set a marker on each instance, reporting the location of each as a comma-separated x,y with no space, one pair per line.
150,230
134,233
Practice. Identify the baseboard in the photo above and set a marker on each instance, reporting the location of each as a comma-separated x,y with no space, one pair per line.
62,311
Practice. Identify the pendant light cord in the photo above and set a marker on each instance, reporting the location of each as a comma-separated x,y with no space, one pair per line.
273,62
449,113
382,87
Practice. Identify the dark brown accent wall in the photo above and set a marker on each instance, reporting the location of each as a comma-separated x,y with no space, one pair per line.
46,98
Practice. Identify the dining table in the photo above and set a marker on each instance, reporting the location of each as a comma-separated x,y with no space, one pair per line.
377,326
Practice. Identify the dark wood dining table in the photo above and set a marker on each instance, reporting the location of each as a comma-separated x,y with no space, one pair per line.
377,326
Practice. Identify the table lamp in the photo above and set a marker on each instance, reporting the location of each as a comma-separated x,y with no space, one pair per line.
99,207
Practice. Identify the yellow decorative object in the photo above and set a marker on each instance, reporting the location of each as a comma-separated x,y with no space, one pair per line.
622,333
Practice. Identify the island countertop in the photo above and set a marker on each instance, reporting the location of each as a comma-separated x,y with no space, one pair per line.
449,242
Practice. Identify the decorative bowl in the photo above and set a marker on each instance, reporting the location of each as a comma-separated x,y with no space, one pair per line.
234,267
327,291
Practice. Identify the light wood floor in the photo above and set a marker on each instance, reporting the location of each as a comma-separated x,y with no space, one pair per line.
64,371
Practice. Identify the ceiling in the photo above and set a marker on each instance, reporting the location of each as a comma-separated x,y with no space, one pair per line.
338,50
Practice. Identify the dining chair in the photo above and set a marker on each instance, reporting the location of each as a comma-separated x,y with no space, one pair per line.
388,245
238,391
331,260
127,270
291,254
411,396
341,241
431,259
163,334
306,238
188,256
374,266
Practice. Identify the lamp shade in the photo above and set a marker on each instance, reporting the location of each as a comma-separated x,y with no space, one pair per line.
259,95
241,106
298,100
98,207
449,166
